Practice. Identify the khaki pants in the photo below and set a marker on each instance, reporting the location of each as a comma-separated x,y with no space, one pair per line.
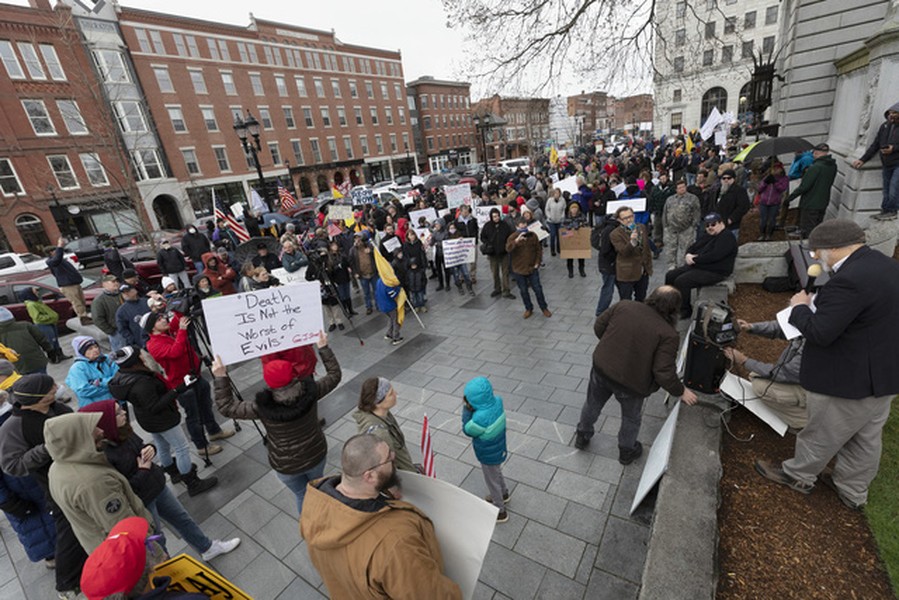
787,400
676,244
499,268
75,295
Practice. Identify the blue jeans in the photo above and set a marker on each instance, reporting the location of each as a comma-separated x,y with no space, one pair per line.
368,289
890,189
690,178
418,299
553,237
172,440
197,404
532,280
116,342
167,506
50,333
606,291
460,273
296,482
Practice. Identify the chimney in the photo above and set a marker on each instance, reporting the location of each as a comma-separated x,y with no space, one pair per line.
40,4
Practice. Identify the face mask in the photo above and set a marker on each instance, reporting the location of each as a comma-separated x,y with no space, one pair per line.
452,230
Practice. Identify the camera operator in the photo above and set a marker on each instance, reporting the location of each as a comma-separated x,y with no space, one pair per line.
182,365
777,385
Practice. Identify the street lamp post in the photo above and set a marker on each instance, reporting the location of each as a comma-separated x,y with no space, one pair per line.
246,128
482,124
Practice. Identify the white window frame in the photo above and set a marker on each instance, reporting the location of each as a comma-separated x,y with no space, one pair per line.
215,123
56,173
15,176
296,147
333,150
10,59
123,116
140,164
325,114
265,115
51,59
31,118
316,150
281,85
32,61
71,116
220,159
256,78
168,89
230,88
277,151
199,85
363,143
300,82
348,146
87,157
101,59
196,161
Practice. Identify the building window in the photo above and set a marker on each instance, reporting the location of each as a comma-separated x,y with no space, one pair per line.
9,181
71,116
62,169
281,85
221,157
335,88
39,117
180,48
680,37
198,81
357,111
228,83
223,50
319,87
10,61
373,112
677,120
730,24
112,68
130,115
163,80
288,117
384,93
341,116
402,115
190,161
31,60
143,41
348,146
156,38
213,49
316,151
369,90
679,64
275,152
332,149
256,83
677,95
147,165
388,115
307,116
265,117
177,118
716,97
398,91
423,100
393,142
746,51
363,143
405,142
379,144
326,116
301,86
680,9
708,57
749,20
727,54
96,174
297,151
771,15
768,45
426,122
52,62
354,90
209,118
710,30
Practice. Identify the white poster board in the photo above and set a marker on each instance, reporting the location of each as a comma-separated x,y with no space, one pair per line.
284,277
538,230
237,210
569,184
740,390
657,461
457,195
248,325
417,180
482,214
462,522
619,189
429,214
392,244
636,204
362,196
721,138
458,251
339,212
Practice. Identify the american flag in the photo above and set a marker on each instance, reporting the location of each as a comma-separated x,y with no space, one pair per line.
287,199
427,453
223,213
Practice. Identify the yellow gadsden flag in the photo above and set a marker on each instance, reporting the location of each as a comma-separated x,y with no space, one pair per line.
385,272
689,143
335,192
553,156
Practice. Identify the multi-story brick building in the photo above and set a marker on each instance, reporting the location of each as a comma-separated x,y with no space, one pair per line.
524,130
62,166
444,120
593,109
632,113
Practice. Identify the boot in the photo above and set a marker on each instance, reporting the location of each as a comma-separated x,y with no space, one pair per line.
195,485
173,472
470,290
582,272
61,355
459,287
349,307
53,357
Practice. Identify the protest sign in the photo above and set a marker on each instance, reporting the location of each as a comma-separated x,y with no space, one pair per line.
362,196
339,212
619,189
538,230
429,214
740,390
458,251
482,214
237,210
569,184
392,244
635,204
284,277
417,180
575,243
445,212
657,461
721,138
189,575
457,195
463,524
245,326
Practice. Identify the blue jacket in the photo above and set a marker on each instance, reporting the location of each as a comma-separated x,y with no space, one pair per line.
22,500
89,380
127,321
486,425
64,271
803,162
385,296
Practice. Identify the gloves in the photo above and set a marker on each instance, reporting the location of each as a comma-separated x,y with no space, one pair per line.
769,179
181,389
19,507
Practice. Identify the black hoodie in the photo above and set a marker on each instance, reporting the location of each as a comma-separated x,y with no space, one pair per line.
154,404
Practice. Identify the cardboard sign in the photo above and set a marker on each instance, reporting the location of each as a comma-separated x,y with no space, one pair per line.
569,184
248,325
362,196
458,252
575,243
190,575
635,204
340,212
429,214
538,230
457,195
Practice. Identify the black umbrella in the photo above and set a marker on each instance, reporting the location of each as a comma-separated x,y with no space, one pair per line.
777,146
438,181
247,250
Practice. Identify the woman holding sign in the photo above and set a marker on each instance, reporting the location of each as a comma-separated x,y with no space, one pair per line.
574,220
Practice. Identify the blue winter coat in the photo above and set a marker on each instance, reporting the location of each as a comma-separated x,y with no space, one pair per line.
36,529
385,296
89,380
486,425
64,271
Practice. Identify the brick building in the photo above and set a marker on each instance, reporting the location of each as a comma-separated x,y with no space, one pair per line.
594,111
62,169
632,113
447,133
524,129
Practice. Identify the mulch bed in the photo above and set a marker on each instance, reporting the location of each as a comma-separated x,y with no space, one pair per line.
774,542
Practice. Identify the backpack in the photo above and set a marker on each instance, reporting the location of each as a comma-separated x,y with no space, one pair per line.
606,248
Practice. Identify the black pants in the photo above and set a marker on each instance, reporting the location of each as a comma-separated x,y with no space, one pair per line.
809,219
633,290
580,265
70,556
688,278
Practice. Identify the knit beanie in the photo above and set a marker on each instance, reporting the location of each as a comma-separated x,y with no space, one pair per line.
107,423
836,233
31,388
278,373
126,357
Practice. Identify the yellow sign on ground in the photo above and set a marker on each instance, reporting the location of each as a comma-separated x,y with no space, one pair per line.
189,575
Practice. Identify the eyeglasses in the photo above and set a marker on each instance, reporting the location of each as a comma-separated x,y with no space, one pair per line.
391,456
726,177
710,225
626,218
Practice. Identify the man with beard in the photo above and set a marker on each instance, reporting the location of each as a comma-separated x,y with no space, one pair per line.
365,544
733,202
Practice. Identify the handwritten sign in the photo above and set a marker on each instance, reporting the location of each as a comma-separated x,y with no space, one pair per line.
244,326
392,244
362,196
457,195
429,214
339,212
538,230
575,243
458,251
482,214
417,180
190,575
286,277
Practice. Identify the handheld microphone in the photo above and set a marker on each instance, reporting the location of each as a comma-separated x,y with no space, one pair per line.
814,271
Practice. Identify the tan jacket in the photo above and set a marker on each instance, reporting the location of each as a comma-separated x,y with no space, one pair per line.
527,255
390,551
632,261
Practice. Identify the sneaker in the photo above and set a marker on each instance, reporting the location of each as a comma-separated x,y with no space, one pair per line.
471,292
211,449
398,341
774,472
50,563
546,313
224,434
502,517
332,327
69,595
827,479
219,547
388,338
495,293
581,441
340,326
528,313
885,216
368,311
509,296
628,455
506,497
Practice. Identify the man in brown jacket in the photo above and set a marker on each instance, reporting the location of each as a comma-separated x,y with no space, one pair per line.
633,263
364,545
526,254
635,356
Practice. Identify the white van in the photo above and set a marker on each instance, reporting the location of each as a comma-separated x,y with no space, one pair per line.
513,164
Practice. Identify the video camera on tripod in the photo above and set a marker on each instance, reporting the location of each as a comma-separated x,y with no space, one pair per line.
713,329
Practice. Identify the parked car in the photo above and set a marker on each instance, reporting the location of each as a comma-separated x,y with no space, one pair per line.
89,249
149,271
513,164
11,262
12,287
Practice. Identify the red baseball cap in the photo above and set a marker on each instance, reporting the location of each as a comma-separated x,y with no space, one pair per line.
118,563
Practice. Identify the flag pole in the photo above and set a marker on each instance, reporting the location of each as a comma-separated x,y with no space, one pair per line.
414,312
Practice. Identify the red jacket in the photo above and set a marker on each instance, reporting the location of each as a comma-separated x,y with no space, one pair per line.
175,355
222,277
